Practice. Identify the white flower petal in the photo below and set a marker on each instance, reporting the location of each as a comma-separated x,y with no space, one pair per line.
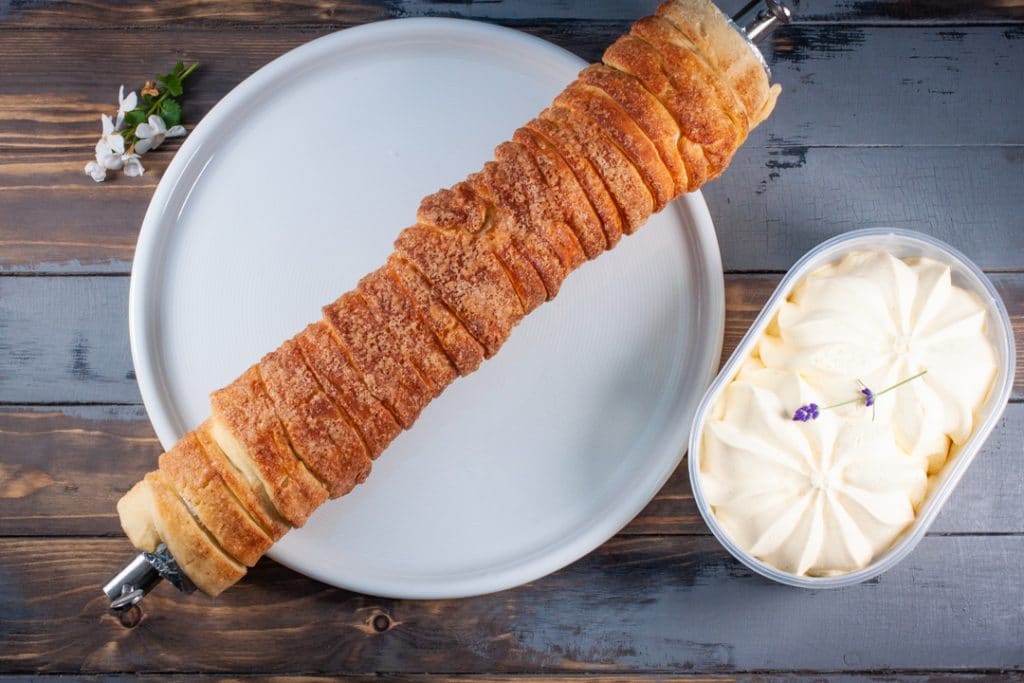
111,162
116,143
96,171
176,131
144,130
158,125
132,165
144,145
108,124
127,103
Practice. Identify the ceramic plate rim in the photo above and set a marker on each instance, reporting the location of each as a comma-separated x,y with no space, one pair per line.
147,262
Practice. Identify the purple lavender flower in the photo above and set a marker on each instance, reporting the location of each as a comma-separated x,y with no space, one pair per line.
805,413
869,397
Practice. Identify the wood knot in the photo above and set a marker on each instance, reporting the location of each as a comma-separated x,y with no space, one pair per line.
381,623
131,617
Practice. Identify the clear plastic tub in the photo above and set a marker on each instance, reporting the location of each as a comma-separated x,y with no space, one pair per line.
903,244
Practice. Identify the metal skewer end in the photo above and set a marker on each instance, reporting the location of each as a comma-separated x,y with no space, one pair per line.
137,578
761,17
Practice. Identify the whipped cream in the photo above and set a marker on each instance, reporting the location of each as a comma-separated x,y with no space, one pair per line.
819,497
875,320
827,495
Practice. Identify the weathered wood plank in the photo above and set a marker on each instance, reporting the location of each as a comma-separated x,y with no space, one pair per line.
647,604
62,470
65,339
770,207
164,13
945,677
774,205
844,85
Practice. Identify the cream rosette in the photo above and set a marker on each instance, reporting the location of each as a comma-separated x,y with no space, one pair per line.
873,320
819,497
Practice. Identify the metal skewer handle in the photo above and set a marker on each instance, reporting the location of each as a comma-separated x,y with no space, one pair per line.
127,588
761,17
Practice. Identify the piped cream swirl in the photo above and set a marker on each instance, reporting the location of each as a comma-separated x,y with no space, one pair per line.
827,496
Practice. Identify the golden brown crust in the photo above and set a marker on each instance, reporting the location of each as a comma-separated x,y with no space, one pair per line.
252,496
320,434
672,42
464,351
627,136
391,308
458,207
520,270
498,184
375,353
683,83
565,192
572,152
649,114
343,385
734,60
720,115
198,555
246,427
472,208
468,279
544,216
623,181
187,469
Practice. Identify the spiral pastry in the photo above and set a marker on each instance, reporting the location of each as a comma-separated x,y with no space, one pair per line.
660,116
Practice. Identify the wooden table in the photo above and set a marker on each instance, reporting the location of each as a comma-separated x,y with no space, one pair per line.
908,114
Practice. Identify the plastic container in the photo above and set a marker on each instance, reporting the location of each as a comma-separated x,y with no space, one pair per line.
903,244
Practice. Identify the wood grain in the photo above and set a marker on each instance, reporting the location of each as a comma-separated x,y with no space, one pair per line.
787,677
162,13
771,206
838,81
65,339
62,470
898,112
645,604
784,193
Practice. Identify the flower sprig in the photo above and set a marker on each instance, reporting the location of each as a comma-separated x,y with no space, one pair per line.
811,411
141,124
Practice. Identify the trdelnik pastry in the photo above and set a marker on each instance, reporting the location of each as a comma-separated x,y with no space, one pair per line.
662,114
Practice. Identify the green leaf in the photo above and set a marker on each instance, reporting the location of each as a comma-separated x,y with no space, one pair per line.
170,112
172,82
135,117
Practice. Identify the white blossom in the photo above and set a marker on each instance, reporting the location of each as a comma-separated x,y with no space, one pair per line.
96,171
152,134
132,165
124,105
110,146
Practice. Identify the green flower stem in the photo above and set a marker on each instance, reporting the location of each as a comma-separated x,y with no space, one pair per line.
156,103
901,383
861,399
130,138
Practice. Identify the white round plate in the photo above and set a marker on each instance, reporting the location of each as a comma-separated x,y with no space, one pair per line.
295,185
